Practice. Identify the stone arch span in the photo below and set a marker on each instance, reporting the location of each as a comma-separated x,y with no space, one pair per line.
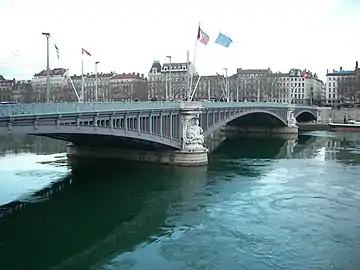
255,117
101,136
305,116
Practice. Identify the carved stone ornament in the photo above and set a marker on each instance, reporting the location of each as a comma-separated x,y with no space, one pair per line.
291,120
193,135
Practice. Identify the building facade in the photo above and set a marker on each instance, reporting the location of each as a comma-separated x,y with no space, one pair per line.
176,86
296,86
16,91
252,84
167,81
299,87
343,86
58,81
6,88
110,86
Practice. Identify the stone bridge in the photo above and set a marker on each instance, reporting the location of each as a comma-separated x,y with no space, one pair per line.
162,132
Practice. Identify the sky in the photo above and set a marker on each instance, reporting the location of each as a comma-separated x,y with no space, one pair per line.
127,36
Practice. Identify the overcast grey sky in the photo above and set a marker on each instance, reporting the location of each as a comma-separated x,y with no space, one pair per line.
126,36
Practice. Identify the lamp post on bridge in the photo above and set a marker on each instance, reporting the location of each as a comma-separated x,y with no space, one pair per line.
96,81
258,89
47,67
170,79
227,92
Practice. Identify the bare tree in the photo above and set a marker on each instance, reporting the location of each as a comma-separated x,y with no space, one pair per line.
349,89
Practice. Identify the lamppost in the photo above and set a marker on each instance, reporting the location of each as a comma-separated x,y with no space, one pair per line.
96,81
258,88
226,85
47,67
170,84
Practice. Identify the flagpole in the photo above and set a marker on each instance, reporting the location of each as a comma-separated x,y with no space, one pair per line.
187,92
193,63
82,76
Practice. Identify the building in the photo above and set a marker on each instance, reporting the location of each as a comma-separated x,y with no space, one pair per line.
22,92
104,93
210,87
112,86
6,88
207,87
128,87
253,84
171,82
58,81
302,86
343,86
296,86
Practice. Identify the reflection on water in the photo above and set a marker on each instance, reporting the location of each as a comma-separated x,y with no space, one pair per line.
22,172
262,203
30,144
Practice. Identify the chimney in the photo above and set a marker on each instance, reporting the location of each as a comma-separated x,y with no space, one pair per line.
133,73
340,68
327,71
357,65
137,74
142,76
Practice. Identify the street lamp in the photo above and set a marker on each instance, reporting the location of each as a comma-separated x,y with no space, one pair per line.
258,89
96,81
170,84
47,67
226,85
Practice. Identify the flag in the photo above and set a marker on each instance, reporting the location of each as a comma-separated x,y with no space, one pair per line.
223,40
85,51
202,36
57,51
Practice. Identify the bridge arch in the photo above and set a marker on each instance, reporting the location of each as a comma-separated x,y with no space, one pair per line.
256,117
305,116
100,136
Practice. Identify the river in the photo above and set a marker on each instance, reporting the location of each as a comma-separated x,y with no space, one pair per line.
261,203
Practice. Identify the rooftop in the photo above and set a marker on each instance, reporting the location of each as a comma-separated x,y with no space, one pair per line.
128,76
53,72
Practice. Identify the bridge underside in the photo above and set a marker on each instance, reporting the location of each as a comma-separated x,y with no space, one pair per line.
104,141
257,120
305,117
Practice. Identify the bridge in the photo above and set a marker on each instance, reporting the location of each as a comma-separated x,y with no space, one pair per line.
163,132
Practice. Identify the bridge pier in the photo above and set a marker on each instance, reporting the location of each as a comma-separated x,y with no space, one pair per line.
178,157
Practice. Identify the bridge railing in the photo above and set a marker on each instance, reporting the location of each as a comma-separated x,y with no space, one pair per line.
207,104
60,108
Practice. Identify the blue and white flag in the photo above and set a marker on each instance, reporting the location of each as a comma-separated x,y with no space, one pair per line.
223,40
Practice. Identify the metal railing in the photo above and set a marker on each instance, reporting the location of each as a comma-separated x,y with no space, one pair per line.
63,108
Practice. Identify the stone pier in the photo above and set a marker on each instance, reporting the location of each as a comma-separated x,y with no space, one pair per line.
193,151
